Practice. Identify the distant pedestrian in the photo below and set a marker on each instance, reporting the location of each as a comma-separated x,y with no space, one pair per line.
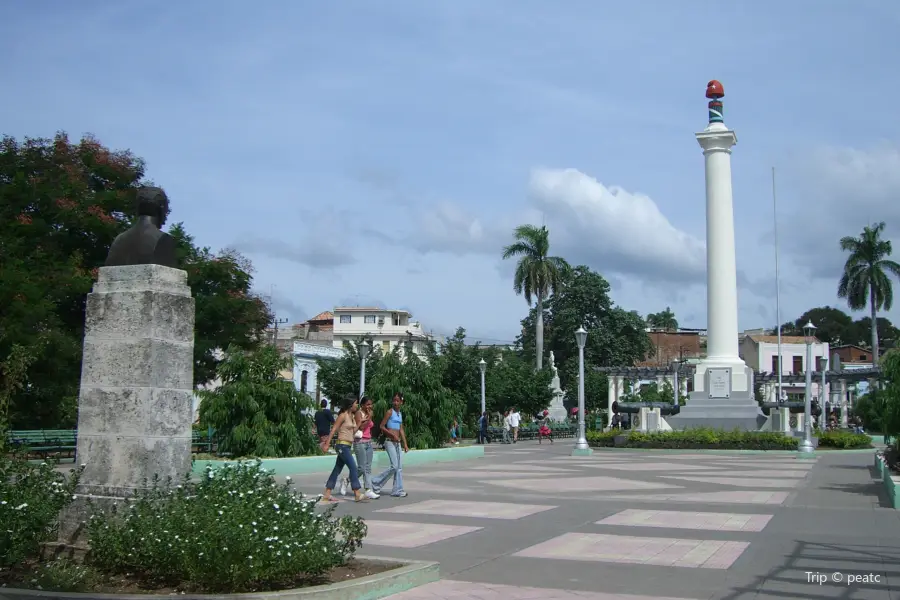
454,432
507,428
345,427
324,419
544,431
394,436
483,428
514,419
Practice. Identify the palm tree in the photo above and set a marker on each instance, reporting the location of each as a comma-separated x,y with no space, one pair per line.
866,276
537,274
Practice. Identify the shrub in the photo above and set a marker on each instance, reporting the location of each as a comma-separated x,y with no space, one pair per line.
699,438
844,439
234,530
31,497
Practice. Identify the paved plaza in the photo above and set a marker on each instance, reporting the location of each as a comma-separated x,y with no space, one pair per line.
529,521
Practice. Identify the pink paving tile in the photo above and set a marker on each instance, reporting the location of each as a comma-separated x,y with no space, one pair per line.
579,484
751,482
413,484
476,510
517,468
734,497
463,590
403,534
472,473
762,474
688,520
674,552
644,466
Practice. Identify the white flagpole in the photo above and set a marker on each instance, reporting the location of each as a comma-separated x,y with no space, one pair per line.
777,282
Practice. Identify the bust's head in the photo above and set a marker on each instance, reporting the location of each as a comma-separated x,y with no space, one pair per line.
153,202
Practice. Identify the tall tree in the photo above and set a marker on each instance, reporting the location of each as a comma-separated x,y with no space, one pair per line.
255,412
61,206
866,276
663,320
615,336
832,325
537,274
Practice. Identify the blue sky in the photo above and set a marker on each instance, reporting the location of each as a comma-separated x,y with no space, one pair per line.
364,152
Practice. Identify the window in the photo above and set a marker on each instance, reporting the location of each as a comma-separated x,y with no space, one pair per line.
369,319
396,320
304,380
386,345
798,365
345,318
863,357
774,364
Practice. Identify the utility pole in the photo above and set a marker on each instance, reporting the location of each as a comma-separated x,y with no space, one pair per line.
277,322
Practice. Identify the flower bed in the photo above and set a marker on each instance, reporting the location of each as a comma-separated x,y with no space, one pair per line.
700,438
235,530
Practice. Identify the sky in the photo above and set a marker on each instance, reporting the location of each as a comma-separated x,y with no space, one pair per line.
382,152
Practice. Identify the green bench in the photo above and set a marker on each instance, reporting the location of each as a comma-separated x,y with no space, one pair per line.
44,442
203,442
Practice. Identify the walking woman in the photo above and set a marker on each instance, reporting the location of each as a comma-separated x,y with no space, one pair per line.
394,436
363,446
345,425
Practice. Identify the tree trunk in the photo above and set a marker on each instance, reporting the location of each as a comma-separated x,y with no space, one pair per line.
874,327
539,332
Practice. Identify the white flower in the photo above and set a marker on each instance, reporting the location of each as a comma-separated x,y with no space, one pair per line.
287,477
21,506
275,506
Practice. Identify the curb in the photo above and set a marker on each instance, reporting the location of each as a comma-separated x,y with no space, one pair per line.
887,480
715,451
305,465
412,574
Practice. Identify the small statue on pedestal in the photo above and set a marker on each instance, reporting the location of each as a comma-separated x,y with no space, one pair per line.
143,243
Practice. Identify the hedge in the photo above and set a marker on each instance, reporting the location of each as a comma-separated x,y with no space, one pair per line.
699,438
843,439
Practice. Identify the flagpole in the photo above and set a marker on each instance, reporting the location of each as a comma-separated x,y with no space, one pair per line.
777,283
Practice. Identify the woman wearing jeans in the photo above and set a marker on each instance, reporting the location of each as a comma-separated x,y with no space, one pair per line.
345,425
392,427
363,446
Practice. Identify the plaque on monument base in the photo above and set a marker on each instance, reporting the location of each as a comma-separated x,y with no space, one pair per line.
718,405
135,402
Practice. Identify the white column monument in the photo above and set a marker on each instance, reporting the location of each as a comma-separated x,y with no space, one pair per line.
723,384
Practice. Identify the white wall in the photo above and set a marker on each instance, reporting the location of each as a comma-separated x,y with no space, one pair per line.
380,333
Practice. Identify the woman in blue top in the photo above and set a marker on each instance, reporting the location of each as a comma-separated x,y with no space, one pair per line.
392,427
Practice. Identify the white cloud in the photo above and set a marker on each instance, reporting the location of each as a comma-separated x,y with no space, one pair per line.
614,230
837,192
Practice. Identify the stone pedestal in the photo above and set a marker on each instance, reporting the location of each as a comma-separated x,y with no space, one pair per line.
134,407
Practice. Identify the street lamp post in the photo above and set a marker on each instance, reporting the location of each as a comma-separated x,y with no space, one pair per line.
823,396
363,349
806,445
581,444
482,366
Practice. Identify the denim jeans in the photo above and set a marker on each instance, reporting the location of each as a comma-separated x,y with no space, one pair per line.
363,451
344,457
506,437
394,451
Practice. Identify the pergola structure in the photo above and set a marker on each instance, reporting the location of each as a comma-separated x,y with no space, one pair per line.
841,395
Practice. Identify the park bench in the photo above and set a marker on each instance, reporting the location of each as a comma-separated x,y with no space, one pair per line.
43,442
202,442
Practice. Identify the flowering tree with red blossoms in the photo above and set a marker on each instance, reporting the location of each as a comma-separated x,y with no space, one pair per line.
61,206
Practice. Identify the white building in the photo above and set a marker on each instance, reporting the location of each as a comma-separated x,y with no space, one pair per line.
386,328
760,352
306,366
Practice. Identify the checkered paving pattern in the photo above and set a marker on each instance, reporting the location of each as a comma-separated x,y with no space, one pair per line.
666,552
688,520
464,590
615,525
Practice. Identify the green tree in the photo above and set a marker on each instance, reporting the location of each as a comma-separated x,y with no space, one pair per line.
616,337
664,320
652,392
254,411
860,332
61,206
866,276
537,274
510,381
832,325
460,373
340,378
227,313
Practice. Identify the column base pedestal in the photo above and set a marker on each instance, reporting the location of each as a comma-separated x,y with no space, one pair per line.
582,452
717,404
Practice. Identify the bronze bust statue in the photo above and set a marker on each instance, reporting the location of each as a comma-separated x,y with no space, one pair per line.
144,243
